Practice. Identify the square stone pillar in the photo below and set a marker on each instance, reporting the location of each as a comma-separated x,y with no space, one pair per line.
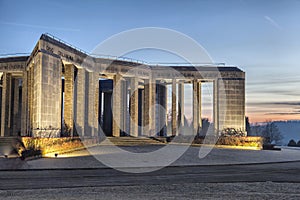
199,98
181,106
25,103
30,85
79,101
16,106
231,100
87,127
134,96
216,105
152,112
124,108
195,106
69,98
47,89
116,108
149,107
174,105
6,101
92,103
96,104
140,110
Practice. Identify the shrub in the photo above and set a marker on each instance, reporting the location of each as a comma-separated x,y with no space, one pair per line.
232,141
298,143
30,153
232,132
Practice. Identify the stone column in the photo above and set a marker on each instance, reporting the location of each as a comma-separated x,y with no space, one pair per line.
216,105
149,106
92,116
199,95
30,84
69,98
79,101
87,88
195,106
181,106
16,107
174,105
146,124
96,104
47,91
6,96
117,90
152,111
124,111
134,106
25,103
140,110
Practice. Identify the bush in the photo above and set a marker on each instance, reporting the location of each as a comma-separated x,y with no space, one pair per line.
231,141
292,143
30,153
232,132
298,143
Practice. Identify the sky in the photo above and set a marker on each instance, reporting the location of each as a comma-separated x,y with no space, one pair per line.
260,37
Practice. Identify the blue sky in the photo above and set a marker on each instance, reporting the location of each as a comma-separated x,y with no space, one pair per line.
261,37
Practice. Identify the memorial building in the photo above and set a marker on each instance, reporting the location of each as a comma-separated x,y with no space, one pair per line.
59,90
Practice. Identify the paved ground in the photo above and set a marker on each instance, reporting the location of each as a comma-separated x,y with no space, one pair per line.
217,156
222,174
172,191
261,181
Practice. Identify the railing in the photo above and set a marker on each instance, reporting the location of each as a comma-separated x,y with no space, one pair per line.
66,43
118,58
127,59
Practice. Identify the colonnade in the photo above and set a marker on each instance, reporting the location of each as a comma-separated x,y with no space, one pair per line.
54,91
134,113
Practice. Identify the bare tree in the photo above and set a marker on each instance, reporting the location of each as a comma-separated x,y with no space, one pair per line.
256,130
271,133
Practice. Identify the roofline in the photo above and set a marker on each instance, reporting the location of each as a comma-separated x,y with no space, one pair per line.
56,41
14,59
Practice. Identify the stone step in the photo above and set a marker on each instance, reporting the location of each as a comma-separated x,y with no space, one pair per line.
7,140
6,145
131,141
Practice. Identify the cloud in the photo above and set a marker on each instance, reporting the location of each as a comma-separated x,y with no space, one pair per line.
272,82
272,22
274,91
283,113
284,103
38,26
289,103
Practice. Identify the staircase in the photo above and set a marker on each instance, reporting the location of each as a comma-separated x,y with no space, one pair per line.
131,141
6,145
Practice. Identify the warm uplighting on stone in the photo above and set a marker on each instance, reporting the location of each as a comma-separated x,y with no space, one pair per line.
55,91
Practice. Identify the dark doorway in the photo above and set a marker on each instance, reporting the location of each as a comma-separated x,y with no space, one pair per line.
105,106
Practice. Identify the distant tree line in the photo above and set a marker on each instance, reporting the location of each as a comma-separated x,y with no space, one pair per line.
292,143
269,131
